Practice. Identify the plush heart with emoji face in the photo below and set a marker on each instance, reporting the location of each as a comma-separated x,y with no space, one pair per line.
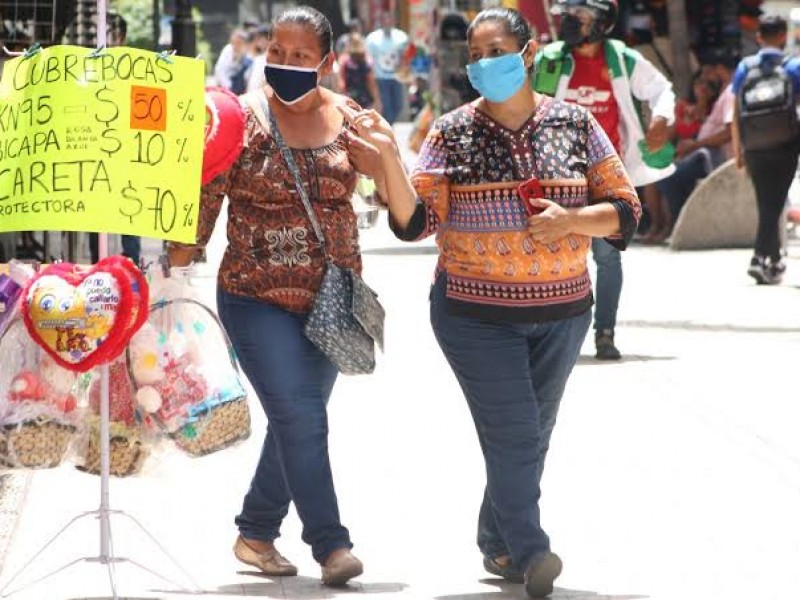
85,316
224,138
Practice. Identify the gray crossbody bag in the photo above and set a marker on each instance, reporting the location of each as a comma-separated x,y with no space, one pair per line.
346,319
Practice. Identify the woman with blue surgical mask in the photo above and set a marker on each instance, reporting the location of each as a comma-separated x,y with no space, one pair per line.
514,185
268,280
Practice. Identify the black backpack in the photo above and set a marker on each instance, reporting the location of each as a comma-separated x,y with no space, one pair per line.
767,106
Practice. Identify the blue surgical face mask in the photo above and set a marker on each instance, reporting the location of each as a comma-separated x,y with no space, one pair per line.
498,78
291,84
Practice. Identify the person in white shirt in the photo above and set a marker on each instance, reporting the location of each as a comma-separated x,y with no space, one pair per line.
386,47
233,62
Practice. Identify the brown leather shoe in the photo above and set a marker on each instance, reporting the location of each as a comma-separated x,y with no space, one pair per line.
541,574
270,562
341,568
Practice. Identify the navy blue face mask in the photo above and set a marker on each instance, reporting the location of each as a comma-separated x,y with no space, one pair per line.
291,84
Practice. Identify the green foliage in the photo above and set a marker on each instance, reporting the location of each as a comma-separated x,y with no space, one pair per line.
139,16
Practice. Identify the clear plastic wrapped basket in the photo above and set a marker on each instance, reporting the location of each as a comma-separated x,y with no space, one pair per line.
187,377
38,403
131,437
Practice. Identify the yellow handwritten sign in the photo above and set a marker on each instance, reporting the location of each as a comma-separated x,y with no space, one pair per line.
109,143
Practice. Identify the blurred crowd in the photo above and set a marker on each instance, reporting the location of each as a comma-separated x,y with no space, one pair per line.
372,69
701,138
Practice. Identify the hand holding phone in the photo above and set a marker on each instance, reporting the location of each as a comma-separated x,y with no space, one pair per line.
528,190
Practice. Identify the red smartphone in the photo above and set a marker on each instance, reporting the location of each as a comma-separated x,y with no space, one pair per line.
530,189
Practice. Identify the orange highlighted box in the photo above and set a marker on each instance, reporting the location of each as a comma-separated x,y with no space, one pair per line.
148,108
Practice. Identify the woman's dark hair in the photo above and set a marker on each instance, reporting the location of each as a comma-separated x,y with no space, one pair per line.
313,20
515,24
712,88
118,25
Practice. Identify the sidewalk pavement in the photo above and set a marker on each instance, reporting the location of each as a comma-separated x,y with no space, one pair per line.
673,474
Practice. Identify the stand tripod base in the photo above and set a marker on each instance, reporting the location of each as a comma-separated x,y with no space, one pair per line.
106,558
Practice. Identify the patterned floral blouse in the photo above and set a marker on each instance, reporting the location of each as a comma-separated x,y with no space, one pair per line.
466,178
273,254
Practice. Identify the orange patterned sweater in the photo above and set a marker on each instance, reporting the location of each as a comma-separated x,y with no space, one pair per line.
466,179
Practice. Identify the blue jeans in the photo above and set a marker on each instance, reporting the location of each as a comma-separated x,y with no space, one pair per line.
608,287
132,247
293,381
513,376
688,171
391,92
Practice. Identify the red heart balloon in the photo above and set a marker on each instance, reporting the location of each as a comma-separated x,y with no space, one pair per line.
83,317
224,132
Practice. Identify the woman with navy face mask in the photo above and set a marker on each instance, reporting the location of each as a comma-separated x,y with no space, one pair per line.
514,185
268,279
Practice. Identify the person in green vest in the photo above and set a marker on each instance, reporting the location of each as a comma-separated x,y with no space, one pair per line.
612,81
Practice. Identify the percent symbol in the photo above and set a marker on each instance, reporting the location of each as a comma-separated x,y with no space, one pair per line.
181,156
187,215
186,107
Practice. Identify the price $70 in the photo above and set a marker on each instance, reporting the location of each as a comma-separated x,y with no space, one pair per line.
163,205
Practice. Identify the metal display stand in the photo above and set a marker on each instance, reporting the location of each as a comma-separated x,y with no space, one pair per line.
103,514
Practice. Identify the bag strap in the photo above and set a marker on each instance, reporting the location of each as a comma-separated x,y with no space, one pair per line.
286,153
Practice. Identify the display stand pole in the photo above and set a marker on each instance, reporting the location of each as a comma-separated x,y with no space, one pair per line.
103,514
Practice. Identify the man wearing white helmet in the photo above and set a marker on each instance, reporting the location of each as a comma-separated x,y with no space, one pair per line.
612,81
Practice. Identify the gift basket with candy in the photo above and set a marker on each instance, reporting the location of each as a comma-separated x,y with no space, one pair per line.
81,318
181,382
38,404
130,440
186,374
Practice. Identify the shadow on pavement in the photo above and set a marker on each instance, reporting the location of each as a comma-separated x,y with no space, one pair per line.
401,251
711,327
300,588
511,591
586,359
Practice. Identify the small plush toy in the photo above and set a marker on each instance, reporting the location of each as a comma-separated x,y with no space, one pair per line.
50,385
58,379
58,383
26,387
144,357
146,370
148,399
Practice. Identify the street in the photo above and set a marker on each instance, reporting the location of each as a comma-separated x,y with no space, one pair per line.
673,474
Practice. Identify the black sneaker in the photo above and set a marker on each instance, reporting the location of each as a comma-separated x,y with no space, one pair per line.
774,271
604,343
757,270
541,574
